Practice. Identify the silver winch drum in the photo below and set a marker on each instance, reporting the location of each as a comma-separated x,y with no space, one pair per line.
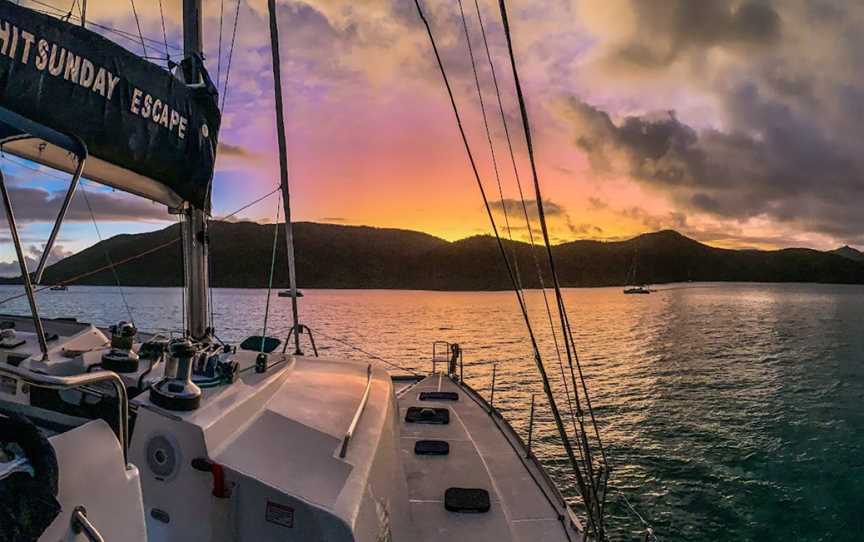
120,358
176,391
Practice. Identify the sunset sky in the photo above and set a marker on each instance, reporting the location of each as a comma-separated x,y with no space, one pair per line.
735,122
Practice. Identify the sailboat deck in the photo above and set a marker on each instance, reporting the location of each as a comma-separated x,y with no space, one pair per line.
485,453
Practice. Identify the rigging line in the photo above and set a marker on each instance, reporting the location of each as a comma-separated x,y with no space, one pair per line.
120,34
517,176
598,526
597,501
147,252
107,255
562,431
230,56
71,9
272,272
76,278
587,399
219,54
411,370
124,33
489,139
138,24
250,204
164,33
522,199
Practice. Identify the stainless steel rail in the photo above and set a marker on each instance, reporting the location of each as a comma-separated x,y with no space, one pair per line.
80,524
75,381
360,408
531,427
61,214
22,263
440,354
492,396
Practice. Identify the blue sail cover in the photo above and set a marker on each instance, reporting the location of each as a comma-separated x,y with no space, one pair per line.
146,131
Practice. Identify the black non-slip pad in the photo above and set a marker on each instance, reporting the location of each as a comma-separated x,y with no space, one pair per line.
12,344
464,500
432,447
427,415
439,396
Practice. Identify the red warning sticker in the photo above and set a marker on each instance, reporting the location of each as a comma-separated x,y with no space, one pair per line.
279,514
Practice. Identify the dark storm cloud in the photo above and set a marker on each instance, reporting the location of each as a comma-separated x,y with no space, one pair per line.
668,28
514,208
236,151
38,205
785,144
556,215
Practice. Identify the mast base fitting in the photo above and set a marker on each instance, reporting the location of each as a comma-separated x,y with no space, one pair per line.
120,361
172,394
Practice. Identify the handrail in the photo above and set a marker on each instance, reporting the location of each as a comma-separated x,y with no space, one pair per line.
531,427
51,382
438,358
80,524
360,408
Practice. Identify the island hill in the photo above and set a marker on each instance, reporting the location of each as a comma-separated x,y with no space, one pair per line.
335,256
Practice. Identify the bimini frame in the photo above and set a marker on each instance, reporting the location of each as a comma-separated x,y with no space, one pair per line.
31,130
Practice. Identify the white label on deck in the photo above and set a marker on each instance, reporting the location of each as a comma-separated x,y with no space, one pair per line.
280,514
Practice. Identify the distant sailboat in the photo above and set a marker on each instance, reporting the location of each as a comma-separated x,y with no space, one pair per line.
636,288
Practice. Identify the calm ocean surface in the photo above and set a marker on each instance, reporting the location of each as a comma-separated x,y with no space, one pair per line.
729,411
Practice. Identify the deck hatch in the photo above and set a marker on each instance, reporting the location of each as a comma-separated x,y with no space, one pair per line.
432,447
466,500
440,416
439,396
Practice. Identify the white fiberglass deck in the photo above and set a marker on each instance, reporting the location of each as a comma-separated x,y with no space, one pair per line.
485,453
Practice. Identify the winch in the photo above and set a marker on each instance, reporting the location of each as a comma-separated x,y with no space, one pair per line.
120,358
176,391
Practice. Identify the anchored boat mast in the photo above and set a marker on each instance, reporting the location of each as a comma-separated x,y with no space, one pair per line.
195,239
283,168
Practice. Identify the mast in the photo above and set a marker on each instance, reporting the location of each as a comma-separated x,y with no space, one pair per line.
195,238
283,169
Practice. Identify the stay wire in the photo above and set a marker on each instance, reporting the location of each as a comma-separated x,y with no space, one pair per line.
537,357
597,522
75,278
491,145
505,124
219,49
138,24
55,11
250,204
230,56
107,255
518,178
272,272
164,33
343,342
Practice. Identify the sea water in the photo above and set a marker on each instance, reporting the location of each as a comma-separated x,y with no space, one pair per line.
728,411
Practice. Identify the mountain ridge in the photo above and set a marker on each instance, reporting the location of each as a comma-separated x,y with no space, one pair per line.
338,256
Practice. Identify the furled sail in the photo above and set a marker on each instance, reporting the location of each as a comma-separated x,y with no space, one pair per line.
146,131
